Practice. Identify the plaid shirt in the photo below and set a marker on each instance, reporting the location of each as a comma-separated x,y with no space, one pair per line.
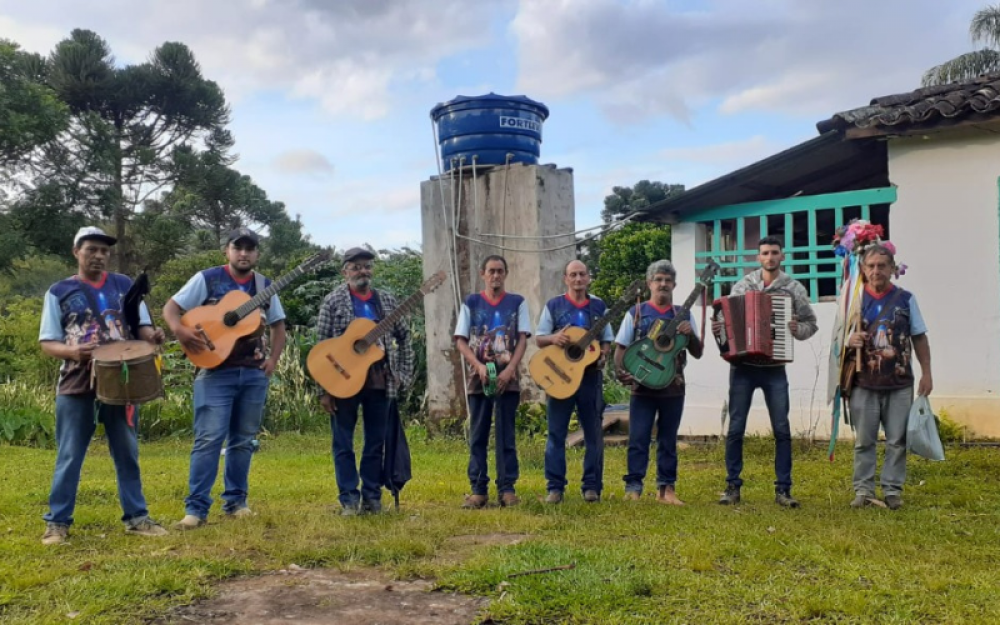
337,312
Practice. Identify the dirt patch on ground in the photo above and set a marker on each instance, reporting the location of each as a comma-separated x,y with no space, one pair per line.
360,597
330,597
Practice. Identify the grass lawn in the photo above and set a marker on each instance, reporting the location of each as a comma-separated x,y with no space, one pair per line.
934,561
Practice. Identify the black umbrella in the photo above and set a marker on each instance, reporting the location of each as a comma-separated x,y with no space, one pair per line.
396,466
132,301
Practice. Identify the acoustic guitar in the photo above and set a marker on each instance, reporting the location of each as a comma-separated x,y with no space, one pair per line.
652,360
340,364
559,370
233,317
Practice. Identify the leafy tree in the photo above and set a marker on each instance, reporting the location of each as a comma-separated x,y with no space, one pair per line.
619,257
30,112
984,29
625,255
126,123
624,201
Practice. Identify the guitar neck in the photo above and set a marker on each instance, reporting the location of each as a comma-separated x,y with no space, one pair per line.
598,326
390,320
261,298
684,308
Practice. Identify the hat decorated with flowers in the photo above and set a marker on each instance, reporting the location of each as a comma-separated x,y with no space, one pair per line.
859,235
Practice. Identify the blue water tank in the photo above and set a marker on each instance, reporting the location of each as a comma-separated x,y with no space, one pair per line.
489,127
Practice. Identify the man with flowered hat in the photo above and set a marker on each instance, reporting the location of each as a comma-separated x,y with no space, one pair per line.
890,332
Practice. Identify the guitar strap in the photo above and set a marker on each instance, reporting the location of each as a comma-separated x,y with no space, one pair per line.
259,286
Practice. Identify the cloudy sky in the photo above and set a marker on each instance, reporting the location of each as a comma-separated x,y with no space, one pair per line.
331,98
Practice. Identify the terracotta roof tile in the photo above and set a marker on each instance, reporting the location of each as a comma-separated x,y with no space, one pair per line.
923,106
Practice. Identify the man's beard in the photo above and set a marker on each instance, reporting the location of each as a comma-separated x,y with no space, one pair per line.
360,283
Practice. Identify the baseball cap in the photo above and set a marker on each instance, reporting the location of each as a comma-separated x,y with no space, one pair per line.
358,253
243,233
92,232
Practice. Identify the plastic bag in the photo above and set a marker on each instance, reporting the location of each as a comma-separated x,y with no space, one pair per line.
922,436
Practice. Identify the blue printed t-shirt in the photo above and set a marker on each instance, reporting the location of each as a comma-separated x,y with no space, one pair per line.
367,307
628,333
493,329
210,286
887,357
78,312
562,311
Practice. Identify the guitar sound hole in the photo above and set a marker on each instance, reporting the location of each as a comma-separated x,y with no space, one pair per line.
663,342
574,352
230,319
360,347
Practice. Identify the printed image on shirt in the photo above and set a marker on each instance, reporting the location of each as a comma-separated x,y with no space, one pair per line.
493,335
83,327
887,357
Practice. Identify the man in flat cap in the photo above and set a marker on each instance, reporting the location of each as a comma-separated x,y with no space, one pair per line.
353,299
75,321
228,399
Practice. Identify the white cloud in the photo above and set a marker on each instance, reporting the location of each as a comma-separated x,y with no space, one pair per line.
639,59
303,161
348,55
728,154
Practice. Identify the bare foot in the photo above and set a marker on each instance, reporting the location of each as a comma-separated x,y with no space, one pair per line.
668,496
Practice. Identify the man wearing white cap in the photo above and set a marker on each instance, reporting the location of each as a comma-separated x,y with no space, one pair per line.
228,399
75,320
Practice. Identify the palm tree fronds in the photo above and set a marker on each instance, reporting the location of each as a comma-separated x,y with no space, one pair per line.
964,67
985,26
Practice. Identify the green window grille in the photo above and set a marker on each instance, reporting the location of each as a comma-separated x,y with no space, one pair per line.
806,225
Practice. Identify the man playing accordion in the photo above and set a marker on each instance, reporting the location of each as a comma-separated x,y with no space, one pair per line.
747,376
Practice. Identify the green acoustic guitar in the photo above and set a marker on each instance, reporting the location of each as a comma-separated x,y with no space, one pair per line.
652,360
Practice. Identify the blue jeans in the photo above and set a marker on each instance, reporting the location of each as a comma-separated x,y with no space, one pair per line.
559,412
228,407
642,413
74,429
772,381
375,414
479,441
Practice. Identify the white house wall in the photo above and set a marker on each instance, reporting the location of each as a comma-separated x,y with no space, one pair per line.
945,226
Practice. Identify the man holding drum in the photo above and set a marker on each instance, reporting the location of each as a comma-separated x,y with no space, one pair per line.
77,316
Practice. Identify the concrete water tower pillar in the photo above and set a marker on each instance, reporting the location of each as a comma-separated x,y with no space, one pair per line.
492,198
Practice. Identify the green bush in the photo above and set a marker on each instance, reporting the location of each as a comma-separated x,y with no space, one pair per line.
949,430
20,356
27,414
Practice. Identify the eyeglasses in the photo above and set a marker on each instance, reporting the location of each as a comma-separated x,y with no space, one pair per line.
359,266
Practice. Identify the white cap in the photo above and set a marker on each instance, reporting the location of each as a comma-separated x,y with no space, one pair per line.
92,232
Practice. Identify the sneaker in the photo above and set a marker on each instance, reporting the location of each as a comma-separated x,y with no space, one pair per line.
554,496
894,501
509,499
475,502
731,497
145,526
591,496
862,500
55,534
667,495
633,495
351,509
784,498
371,506
240,513
189,522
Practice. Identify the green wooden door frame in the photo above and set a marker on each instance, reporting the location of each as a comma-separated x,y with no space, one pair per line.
813,268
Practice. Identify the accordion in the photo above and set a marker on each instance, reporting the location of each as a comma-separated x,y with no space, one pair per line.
755,328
